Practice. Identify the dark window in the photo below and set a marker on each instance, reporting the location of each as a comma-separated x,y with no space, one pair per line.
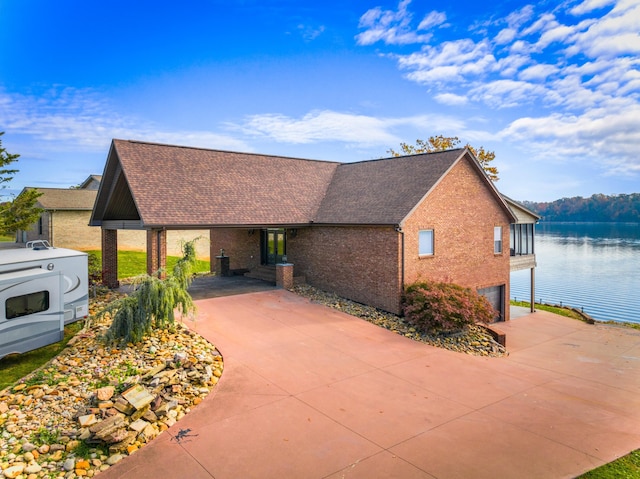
40,229
522,235
26,304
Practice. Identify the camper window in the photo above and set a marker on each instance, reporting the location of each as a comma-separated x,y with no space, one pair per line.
26,304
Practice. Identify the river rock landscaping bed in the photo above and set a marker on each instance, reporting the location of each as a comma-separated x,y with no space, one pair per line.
94,403
474,340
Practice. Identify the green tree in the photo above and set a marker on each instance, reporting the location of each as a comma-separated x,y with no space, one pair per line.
21,212
153,302
441,143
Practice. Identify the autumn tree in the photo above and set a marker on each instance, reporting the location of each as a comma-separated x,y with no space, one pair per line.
441,143
21,212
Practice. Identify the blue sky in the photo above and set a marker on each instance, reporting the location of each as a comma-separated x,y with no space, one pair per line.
553,88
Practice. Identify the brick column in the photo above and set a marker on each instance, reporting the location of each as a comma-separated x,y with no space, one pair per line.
157,252
110,258
284,275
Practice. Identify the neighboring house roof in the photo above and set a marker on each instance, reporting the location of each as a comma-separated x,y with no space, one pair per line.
150,185
92,182
65,199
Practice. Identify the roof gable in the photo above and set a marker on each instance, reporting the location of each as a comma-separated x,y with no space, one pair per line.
181,187
383,191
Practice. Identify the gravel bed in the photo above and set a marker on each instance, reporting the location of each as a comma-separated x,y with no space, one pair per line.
474,340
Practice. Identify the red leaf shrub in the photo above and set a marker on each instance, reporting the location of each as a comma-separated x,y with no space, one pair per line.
436,308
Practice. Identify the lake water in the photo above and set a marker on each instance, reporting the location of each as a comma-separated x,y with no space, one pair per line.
594,266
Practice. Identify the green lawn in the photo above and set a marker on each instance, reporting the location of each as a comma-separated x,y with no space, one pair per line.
134,263
16,366
627,467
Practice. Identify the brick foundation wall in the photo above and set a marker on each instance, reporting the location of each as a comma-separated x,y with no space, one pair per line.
242,248
462,212
361,264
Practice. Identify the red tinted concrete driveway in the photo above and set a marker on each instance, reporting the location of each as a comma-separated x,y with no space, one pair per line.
309,392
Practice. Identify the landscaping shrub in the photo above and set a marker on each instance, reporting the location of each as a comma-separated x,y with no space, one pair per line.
153,301
437,308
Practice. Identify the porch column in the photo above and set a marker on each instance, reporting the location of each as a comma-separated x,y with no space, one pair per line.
284,275
533,290
157,252
110,258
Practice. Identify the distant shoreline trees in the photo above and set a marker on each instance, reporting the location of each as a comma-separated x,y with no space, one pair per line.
623,208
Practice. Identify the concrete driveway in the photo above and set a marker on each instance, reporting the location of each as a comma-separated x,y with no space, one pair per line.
309,392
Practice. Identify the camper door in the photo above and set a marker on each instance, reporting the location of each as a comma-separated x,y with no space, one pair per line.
31,310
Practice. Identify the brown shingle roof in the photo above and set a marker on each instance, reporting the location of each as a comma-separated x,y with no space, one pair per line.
66,199
152,185
382,191
181,186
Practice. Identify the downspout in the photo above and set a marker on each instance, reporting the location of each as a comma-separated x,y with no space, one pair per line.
399,230
51,227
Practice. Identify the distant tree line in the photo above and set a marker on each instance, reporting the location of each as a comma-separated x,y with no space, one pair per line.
597,208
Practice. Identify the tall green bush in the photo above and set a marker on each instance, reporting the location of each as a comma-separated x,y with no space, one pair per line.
440,308
153,302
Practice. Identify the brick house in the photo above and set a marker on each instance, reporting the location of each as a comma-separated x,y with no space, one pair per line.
66,215
362,230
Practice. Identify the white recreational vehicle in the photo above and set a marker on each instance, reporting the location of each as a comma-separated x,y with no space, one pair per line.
41,289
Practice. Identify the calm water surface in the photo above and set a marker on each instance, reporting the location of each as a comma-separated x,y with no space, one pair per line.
595,266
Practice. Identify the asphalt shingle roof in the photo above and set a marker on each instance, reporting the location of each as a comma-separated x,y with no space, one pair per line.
382,191
175,186
66,198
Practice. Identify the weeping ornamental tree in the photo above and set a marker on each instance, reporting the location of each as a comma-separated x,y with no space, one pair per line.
153,302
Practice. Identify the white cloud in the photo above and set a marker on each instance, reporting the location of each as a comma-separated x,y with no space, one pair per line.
590,5
433,19
310,33
348,128
392,27
609,135
320,126
537,72
82,120
506,35
451,99
572,73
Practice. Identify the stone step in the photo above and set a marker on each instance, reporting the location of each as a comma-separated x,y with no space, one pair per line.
263,273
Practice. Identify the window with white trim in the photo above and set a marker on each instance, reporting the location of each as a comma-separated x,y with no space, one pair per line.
497,239
425,243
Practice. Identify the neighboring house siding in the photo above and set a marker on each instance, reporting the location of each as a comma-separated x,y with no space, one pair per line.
70,229
462,213
358,263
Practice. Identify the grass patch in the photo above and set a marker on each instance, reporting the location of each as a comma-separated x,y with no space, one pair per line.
552,309
16,366
7,238
134,263
627,467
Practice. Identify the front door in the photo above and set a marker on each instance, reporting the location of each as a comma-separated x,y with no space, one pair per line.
274,246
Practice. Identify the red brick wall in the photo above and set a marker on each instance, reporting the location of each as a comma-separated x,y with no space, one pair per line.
242,248
462,212
361,264
110,258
